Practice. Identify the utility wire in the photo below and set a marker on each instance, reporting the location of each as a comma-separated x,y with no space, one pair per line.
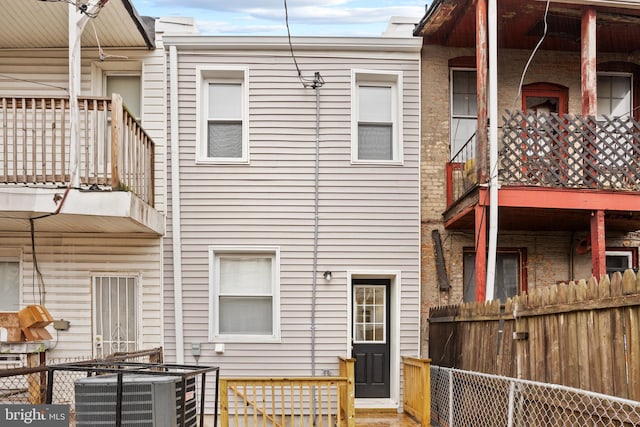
8,77
317,81
533,53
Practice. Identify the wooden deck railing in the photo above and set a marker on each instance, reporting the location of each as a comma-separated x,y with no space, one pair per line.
114,150
280,402
567,151
417,389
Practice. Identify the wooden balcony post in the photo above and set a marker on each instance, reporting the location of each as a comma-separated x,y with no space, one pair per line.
598,245
224,403
482,70
588,63
116,139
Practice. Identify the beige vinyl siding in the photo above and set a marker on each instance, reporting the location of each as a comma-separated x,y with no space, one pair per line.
67,263
368,214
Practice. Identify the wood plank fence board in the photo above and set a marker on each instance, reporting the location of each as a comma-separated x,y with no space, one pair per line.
583,334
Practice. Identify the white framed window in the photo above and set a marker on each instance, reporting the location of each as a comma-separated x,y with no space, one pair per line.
464,109
244,294
9,284
115,313
376,117
620,259
614,94
222,115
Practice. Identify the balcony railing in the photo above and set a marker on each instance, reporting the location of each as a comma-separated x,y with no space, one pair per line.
115,152
570,151
548,150
461,171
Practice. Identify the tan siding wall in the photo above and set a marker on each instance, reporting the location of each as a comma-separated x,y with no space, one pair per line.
368,219
67,263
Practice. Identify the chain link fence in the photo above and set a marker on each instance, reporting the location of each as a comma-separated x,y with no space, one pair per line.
27,385
464,398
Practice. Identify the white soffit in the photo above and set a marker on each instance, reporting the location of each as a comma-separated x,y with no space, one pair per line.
26,24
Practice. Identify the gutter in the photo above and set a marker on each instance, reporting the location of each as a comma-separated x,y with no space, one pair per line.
425,19
145,24
176,232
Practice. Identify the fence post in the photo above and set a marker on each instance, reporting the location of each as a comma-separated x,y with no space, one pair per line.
512,390
224,403
426,392
347,398
116,139
450,398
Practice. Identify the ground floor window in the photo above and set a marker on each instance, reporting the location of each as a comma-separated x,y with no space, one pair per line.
621,259
244,287
510,277
115,314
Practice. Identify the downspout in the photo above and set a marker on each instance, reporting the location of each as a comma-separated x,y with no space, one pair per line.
176,234
317,83
493,148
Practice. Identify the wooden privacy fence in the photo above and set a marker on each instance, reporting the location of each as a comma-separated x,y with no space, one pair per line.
114,149
280,402
584,335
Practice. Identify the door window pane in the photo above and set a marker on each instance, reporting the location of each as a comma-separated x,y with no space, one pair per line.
129,88
614,95
369,309
9,286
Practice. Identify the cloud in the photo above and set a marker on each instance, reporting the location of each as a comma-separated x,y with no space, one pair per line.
306,17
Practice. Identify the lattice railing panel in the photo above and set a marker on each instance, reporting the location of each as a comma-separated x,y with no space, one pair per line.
570,151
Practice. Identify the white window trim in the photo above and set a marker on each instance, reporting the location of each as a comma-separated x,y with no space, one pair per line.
138,307
16,255
627,254
214,334
382,78
458,116
204,76
619,74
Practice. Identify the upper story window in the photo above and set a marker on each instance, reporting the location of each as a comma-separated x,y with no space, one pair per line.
244,294
464,108
376,117
222,115
614,94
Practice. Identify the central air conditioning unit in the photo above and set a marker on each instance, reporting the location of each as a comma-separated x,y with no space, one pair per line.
147,401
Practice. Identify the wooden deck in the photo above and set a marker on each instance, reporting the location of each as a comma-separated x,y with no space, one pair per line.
384,419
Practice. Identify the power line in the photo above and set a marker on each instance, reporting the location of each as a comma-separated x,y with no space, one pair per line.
8,77
317,81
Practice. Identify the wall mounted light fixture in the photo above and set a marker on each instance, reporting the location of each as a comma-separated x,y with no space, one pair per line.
327,276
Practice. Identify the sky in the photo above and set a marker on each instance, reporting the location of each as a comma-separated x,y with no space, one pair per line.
366,18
